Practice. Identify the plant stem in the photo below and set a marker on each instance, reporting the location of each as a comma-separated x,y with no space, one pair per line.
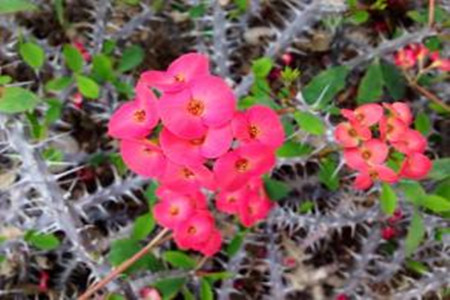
122,267
431,13
435,99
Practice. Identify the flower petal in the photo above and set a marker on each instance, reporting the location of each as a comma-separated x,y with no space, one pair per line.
189,66
143,157
415,166
217,142
362,181
378,149
179,150
369,114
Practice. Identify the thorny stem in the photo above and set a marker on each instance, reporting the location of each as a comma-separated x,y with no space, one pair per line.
435,99
431,13
202,261
125,265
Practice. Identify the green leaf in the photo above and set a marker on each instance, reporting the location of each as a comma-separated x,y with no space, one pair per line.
102,67
413,191
416,266
109,46
276,190
218,276
14,6
422,123
5,79
436,203
187,294
150,193
143,226
59,9
16,100
325,86
170,287
371,87
294,149
115,297
388,199
52,154
37,130
73,58
131,58
87,87
179,259
440,170
359,17
197,11
54,111
58,84
42,241
306,207
393,80
417,16
123,249
416,232
328,174
261,67
32,54
443,189
309,122
235,244
206,292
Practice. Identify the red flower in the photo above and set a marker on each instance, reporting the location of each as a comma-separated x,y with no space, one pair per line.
388,233
365,179
171,212
392,129
196,230
400,111
411,141
187,178
373,152
405,58
212,245
350,135
415,166
365,115
256,208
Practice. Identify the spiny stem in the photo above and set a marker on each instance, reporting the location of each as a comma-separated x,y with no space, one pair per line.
431,6
435,99
125,265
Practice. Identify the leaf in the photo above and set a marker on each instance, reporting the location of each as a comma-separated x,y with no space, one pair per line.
416,232
102,67
325,86
16,100
388,199
416,266
143,226
54,111
59,9
42,241
440,170
150,193
235,244
197,11
436,203
261,67
87,87
359,17
309,122
123,249
58,84
169,287
218,276
443,189
413,191
393,80
52,154
206,292
328,174
422,123
32,54
371,87
276,190
131,58
294,149
5,79
73,58
306,207
179,259
14,6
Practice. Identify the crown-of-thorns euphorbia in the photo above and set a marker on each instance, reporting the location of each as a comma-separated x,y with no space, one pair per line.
193,140
375,136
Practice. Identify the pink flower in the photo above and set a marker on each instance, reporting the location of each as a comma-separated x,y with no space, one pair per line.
350,135
197,198
215,143
187,178
143,157
179,74
366,115
171,212
196,230
137,118
372,152
228,202
411,141
400,111
254,209
212,245
236,167
405,58
388,233
82,49
259,123
365,179
148,293
440,63
209,102
392,129
415,166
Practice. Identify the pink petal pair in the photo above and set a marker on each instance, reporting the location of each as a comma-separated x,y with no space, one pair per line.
143,157
373,152
365,115
350,135
187,178
365,179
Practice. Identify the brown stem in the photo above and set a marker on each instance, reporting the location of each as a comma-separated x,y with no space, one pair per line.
283,111
125,265
435,99
431,13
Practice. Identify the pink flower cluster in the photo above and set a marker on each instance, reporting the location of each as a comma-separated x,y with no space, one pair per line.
416,54
372,133
192,140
